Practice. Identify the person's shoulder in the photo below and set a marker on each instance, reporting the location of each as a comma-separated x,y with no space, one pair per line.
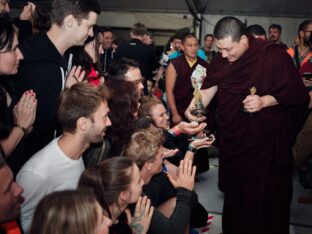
42,157
201,61
274,51
39,49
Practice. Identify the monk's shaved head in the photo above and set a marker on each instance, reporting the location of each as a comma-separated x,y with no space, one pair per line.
229,27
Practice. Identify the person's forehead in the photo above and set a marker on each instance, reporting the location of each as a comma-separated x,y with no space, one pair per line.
225,43
133,73
274,30
309,27
107,34
158,108
90,19
102,110
190,40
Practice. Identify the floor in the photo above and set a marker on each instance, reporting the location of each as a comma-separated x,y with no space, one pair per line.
212,199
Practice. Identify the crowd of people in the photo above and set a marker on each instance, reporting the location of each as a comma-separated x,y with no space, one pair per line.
98,137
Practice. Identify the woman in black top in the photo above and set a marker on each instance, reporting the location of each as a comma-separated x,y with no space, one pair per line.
15,120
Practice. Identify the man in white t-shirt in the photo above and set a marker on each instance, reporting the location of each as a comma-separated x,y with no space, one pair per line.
83,115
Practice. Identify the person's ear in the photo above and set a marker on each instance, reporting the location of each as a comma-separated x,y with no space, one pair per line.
124,196
83,124
69,21
148,166
244,39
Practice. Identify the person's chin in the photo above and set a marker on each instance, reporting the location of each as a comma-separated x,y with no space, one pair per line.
166,126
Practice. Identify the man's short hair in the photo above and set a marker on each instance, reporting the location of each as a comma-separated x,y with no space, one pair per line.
105,29
276,26
304,25
81,100
256,29
144,145
78,8
139,29
229,26
208,35
187,35
118,69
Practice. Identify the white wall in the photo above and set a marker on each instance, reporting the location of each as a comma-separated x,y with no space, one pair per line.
176,21
151,20
289,25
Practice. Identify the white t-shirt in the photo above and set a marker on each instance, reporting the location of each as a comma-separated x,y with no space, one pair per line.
47,171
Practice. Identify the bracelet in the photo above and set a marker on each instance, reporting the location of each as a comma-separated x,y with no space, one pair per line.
24,130
176,131
191,148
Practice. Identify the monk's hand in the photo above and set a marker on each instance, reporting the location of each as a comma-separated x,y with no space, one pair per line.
253,103
191,128
193,118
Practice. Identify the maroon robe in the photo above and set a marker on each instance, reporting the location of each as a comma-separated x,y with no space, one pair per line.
255,149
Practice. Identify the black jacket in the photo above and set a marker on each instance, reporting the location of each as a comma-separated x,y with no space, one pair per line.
43,71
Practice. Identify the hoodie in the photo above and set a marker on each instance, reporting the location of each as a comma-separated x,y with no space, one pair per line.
43,70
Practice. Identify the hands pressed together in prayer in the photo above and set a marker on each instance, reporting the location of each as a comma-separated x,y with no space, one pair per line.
25,110
28,11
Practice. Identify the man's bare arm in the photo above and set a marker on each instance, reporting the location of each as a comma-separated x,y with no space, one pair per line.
207,95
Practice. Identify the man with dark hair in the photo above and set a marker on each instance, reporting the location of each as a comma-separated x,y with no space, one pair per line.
10,197
275,31
45,68
107,56
179,87
261,106
135,49
257,31
127,69
83,115
209,41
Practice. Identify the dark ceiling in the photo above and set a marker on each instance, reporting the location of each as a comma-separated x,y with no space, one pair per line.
290,8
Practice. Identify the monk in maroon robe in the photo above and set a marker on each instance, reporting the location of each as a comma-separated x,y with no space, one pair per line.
262,104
